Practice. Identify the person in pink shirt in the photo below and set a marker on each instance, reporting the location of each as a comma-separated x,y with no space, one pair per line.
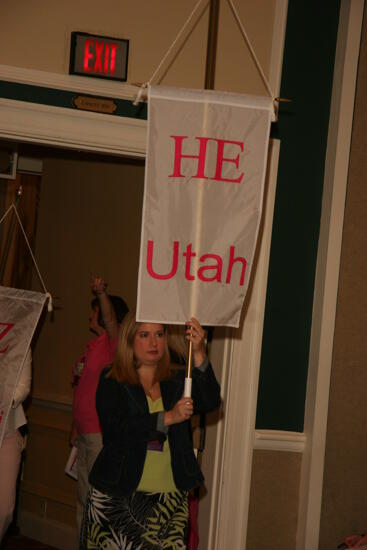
107,312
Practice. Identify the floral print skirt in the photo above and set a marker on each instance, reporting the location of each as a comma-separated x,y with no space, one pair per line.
142,521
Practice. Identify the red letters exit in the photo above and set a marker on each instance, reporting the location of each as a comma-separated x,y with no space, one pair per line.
100,57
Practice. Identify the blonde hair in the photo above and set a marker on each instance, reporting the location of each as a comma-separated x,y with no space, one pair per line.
124,367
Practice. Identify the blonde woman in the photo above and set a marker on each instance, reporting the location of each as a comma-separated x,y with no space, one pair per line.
140,481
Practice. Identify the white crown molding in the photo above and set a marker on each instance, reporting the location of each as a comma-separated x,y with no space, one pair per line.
70,128
276,440
93,86
61,127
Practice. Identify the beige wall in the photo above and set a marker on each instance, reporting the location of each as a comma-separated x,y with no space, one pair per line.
236,70
47,504
345,481
151,27
46,489
274,500
89,222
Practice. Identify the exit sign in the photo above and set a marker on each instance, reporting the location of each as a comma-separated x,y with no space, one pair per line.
98,56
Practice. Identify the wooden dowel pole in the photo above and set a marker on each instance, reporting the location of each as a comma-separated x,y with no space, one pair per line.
188,378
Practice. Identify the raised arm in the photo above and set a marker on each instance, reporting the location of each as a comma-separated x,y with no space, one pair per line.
98,287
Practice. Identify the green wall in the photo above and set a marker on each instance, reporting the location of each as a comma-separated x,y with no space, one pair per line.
302,128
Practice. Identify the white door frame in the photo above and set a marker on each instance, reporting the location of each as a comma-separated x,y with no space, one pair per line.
327,271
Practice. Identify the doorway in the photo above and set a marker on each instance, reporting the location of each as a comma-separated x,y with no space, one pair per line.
88,222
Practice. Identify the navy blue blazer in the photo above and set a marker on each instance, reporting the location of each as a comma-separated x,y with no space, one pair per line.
127,427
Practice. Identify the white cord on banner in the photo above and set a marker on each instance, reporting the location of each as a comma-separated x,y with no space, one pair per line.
48,295
6,213
139,96
252,51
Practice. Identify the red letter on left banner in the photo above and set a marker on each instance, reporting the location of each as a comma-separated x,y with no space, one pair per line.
4,332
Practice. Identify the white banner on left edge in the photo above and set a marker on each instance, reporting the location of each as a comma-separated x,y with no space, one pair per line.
204,185
20,311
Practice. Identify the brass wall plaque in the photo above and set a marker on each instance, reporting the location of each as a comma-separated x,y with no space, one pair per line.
95,104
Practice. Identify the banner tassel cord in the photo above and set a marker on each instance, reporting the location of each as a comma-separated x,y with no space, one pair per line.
140,94
48,295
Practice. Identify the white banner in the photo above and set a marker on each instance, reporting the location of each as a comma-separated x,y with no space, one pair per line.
19,314
204,186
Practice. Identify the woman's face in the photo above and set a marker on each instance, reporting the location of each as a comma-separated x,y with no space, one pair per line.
149,344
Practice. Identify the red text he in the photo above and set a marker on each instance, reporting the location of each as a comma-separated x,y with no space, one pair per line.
201,158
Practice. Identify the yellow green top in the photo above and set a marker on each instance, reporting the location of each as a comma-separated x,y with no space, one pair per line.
157,474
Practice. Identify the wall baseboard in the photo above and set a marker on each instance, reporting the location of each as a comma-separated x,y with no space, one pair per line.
47,531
